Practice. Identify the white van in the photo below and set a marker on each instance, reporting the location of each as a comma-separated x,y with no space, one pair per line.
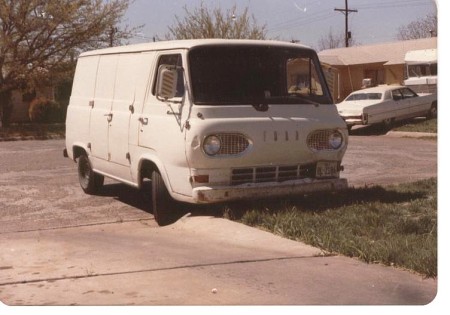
206,121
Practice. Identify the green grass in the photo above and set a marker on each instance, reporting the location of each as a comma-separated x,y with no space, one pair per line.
38,131
419,125
395,225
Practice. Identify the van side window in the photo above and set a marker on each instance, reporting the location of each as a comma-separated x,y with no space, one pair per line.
172,60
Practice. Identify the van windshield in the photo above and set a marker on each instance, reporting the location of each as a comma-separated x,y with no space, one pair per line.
248,74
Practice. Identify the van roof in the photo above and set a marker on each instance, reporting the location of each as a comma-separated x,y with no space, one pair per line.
186,44
421,56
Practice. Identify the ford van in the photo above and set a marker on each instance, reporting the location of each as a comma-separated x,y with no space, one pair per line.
205,121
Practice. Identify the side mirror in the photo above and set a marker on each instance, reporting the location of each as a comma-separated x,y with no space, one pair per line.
166,85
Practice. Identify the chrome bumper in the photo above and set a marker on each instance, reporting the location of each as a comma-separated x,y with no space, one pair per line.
259,190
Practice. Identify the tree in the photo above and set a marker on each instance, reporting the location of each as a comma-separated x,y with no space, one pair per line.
202,22
331,41
421,28
39,39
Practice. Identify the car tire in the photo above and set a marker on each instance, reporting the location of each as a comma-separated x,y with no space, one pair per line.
388,123
163,204
90,181
432,113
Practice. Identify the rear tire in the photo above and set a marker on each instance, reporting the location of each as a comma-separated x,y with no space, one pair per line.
163,205
432,113
90,181
388,123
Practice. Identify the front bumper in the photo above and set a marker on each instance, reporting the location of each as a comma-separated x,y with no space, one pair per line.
263,190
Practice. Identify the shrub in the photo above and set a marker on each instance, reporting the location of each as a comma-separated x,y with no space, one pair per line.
43,110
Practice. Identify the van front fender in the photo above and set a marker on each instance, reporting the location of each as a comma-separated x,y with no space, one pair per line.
78,149
149,163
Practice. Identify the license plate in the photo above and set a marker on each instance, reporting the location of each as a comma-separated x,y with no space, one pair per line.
327,169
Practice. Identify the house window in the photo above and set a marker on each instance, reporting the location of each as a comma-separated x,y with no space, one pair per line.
376,76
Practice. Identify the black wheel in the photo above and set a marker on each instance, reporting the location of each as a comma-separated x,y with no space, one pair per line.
163,205
388,123
432,113
90,181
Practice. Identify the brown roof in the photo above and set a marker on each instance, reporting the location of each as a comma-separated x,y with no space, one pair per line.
387,53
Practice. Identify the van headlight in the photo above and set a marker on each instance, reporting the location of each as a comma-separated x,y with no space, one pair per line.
335,140
211,145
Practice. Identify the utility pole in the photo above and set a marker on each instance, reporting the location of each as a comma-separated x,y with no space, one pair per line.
346,11
112,35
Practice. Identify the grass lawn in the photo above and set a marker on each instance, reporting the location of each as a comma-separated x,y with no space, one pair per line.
394,225
39,131
419,125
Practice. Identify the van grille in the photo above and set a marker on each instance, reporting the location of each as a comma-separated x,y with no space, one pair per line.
271,173
232,143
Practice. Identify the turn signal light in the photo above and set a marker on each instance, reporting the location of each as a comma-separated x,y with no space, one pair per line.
201,179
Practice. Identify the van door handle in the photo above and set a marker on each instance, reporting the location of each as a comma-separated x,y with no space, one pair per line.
109,116
143,120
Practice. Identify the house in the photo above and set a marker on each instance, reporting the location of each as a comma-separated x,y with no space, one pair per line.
21,103
352,68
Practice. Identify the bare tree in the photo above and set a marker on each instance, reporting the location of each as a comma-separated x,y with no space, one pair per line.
202,22
421,28
40,38
331,41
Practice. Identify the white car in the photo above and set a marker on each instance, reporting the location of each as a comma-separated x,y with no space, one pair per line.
385,104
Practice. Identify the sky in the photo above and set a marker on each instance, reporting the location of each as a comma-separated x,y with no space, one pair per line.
306,21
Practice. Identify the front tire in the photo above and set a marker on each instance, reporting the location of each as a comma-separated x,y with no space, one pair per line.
90,181
163,204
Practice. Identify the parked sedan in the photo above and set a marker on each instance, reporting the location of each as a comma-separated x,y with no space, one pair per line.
385,104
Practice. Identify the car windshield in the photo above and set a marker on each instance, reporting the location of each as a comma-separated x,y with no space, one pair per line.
364,96
249,74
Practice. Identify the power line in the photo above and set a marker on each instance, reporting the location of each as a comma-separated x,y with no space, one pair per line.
346,11
394,4
321,15
318,17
